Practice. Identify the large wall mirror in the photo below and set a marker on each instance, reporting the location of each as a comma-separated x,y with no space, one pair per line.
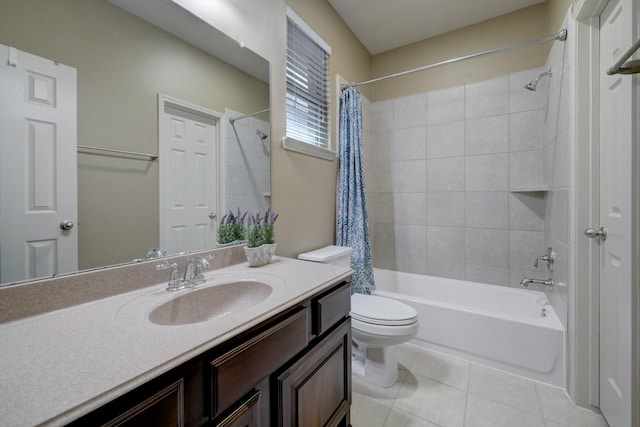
126,59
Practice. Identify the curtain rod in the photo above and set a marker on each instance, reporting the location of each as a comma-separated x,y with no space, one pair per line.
562,36
109,150
233,119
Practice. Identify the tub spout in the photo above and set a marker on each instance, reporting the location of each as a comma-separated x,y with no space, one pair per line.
526,282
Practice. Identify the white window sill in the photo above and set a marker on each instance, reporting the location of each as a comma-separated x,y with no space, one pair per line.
291,144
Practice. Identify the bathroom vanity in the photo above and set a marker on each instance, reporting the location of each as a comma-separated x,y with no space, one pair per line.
284,360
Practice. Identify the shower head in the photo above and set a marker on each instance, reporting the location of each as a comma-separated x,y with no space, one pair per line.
261,134
533,83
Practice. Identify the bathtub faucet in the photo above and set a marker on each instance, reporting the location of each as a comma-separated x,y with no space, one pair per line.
526,282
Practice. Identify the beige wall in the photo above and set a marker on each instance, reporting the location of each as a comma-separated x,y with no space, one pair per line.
122,64
556,11
516,27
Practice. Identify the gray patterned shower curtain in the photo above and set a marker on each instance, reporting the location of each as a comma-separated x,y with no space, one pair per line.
352,224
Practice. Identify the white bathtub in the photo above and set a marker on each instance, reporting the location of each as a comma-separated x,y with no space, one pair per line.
515,330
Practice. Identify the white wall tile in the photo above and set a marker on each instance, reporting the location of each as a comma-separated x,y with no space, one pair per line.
445,140
560,177
488,172
487,135
446,209
378,147
379,177
445,251
445,105
410,111
526,169
525,130
383,245
382,116
410,208
487,247
410,144
487,98
410,176
527,210
486,209
411,248
446,174
380,207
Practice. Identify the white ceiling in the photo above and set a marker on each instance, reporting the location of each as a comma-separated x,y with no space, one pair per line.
383,25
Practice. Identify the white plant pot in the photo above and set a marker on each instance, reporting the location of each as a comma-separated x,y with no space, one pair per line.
261,255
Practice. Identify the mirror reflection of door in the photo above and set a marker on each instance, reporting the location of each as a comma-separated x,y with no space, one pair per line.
188,148
38,184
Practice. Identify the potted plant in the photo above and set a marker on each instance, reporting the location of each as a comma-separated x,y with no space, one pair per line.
261,242
232,228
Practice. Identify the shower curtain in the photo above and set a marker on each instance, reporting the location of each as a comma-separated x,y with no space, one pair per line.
352,225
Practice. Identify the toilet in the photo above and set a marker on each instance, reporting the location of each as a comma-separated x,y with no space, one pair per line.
378,324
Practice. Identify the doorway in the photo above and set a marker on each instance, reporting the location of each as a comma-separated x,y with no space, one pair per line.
189,171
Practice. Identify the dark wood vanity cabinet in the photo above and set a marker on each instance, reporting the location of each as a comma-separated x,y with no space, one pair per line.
292,370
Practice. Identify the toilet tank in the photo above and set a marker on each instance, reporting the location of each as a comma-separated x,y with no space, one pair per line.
336,255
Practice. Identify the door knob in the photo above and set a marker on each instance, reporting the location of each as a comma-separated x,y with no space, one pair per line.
212,215
592,233
66,225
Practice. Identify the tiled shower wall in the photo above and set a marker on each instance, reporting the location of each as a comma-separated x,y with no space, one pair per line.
247,163
455,180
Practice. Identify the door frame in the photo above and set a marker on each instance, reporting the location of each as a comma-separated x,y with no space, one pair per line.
166,100
584,341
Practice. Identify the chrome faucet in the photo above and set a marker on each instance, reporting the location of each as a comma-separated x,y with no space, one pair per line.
545,282
194,270
193,273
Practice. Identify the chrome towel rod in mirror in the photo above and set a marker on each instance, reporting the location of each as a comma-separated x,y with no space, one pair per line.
109,150
623,67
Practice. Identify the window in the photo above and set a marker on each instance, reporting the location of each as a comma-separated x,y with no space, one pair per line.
307,90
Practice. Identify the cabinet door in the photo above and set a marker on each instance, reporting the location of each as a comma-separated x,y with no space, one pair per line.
316,390
247,415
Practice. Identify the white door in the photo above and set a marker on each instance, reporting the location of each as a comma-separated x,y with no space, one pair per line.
188,176
37,166
615,215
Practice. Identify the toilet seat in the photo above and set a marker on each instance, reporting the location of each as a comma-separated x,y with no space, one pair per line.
380,311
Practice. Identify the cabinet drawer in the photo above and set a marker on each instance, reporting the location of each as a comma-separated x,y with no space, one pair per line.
239,370
331,307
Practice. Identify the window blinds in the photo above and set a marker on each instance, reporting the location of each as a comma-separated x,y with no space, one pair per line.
307,88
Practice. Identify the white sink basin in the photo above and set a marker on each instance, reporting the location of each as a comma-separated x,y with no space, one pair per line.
223,294
200,305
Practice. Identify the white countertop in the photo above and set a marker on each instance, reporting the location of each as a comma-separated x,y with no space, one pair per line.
58,366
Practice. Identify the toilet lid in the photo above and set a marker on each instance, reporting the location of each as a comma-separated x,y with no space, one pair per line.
381,311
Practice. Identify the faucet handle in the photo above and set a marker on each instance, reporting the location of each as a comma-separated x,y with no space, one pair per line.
201,263
175,282
549,258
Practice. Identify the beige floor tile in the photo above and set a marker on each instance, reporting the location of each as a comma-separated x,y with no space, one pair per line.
483,412
436,402
442,368
367,412
406,355
499,386
398,418
556,406
385,395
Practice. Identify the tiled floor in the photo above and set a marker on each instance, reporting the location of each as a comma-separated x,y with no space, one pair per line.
438,390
